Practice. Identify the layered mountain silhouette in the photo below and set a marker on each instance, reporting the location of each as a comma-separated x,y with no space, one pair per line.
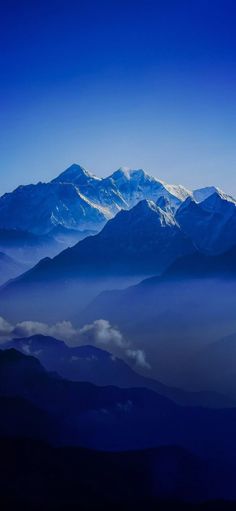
193,267
175,314
184,241
158,224
29,248
91,364
205,266
52,216
107,417
136,243
140,241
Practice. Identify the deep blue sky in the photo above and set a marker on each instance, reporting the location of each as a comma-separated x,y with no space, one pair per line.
147,84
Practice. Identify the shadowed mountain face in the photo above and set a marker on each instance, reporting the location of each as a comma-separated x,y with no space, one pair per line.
211,224
199,265
139,241
91,364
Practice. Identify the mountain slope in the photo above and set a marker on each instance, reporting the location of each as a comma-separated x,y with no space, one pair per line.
40,208
9,268
200,265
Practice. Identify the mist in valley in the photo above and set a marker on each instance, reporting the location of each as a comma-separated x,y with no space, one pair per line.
174,322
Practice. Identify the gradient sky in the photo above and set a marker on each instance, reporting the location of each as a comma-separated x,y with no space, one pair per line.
148,84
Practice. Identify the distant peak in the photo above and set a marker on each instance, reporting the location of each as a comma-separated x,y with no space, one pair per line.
127,173
123,170
74,174
188,205
201,194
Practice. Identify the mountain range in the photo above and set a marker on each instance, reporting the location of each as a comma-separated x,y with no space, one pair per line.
137,243
43,219
157,264
78,200
152,225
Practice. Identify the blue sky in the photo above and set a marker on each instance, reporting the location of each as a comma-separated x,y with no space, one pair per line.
148,84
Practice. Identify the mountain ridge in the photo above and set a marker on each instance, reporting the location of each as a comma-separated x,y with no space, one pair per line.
77,199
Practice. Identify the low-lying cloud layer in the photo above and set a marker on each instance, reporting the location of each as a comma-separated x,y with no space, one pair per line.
100,333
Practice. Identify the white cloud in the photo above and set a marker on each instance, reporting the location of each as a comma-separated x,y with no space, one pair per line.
139,357
103,333
100,333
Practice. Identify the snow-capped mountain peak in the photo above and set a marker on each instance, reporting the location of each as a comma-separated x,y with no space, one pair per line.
211,223
78,200
75,174
135,185
219,202
124,174
201,194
